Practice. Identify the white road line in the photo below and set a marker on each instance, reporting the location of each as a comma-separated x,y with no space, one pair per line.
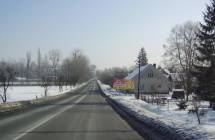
48,118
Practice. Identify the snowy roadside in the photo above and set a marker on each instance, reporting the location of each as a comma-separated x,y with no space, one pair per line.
167,121
25,93
28,101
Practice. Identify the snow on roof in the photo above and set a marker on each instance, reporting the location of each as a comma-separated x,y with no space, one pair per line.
165,75
167,71
177,76
177,89
164,72
136,71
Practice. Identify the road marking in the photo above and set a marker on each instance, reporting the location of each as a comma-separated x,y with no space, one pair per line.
49,118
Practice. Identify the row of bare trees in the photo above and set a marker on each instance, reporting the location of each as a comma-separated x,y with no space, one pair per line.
72,70
27,68
49,70
75,69
191,50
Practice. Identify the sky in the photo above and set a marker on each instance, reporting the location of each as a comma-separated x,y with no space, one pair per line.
109,32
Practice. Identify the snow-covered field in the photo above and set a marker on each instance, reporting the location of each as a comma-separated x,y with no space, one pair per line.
169,114
23,93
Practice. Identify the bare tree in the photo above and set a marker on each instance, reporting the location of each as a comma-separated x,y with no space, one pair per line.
46,83
196,107
44,65
79,67
39,59
54,57
28,64
66,71
19,67
7,75
180,52
45,77
76,68
60,80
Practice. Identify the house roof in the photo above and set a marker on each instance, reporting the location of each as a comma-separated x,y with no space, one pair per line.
164,72
177,89
177,76
136,71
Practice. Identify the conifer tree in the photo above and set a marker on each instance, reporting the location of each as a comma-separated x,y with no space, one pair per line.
205,67
142,57
141,61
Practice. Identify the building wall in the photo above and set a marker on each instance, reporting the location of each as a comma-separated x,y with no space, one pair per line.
176,79
152,81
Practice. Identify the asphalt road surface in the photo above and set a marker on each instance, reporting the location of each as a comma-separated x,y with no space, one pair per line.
83,116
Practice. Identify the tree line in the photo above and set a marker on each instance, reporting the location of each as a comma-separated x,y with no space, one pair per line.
107,76
190,49
50,69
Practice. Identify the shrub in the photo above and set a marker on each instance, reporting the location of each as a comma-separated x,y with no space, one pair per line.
182,104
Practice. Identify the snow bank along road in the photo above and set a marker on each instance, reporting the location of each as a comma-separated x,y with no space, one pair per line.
83,116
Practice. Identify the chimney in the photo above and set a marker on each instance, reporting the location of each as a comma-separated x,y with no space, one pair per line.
154,65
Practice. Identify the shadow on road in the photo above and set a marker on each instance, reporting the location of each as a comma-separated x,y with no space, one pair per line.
80,104
80,131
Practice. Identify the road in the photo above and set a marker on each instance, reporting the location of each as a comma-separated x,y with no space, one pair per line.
83,116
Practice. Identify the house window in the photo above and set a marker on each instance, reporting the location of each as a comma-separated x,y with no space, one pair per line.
150,75
142,86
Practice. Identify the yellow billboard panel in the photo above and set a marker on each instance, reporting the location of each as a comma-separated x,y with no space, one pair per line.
123,84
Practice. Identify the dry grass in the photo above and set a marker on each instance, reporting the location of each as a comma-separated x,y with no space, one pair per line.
5,107
46,100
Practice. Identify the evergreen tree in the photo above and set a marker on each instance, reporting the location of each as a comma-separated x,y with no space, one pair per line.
141,61
142,57
205,68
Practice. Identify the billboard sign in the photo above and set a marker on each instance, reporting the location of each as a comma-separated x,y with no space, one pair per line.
121,84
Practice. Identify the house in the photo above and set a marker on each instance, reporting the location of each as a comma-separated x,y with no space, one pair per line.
177,80
152,80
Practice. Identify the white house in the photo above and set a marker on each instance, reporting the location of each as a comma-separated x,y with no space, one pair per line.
152,80
176,79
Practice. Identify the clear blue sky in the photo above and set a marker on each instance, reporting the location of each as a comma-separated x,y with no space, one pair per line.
110,32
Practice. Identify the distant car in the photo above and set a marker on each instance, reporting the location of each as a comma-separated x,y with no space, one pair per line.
178,94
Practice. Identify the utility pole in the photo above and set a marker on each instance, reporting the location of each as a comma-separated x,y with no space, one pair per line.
138,85
141,61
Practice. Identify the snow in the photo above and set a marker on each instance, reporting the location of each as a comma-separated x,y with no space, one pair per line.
167,71
177,77
23,93
168,114
21,78
174,89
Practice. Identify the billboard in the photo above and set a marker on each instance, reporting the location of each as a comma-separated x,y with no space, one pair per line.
121,84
